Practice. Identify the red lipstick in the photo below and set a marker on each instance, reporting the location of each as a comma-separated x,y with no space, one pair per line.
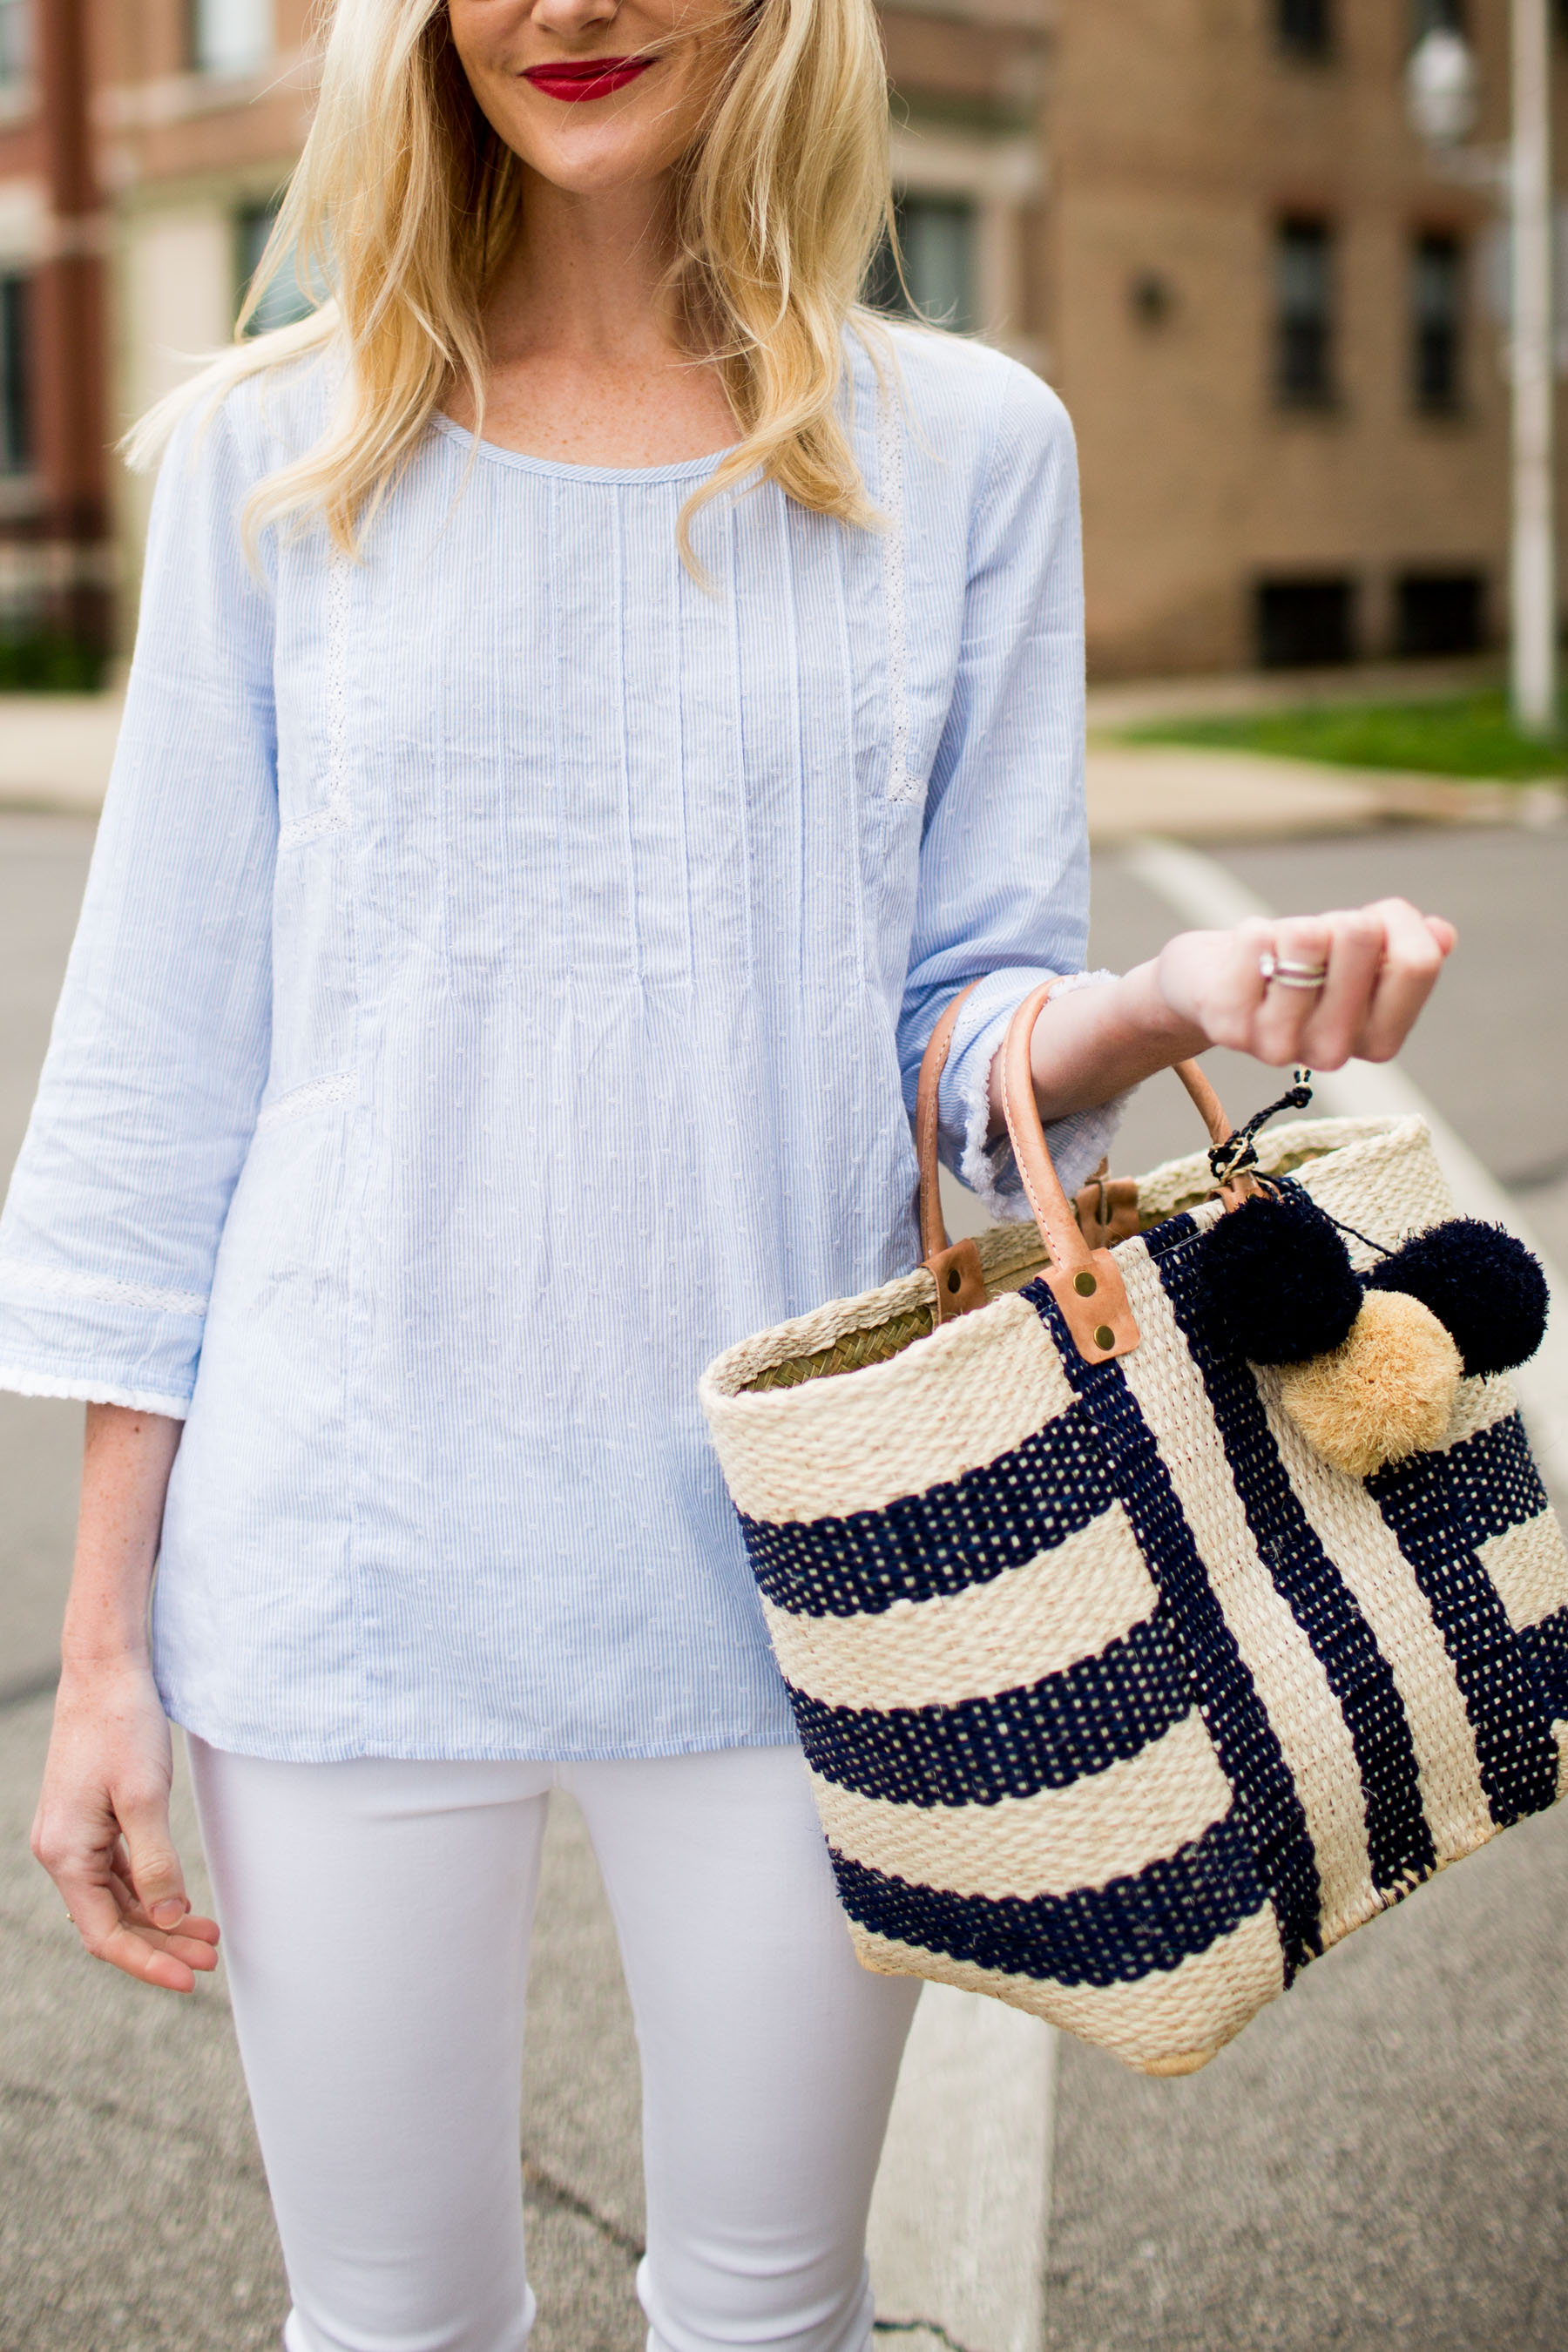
574,80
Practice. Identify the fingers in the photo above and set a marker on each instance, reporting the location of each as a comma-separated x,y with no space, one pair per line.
152,1868
1213,979
81,1848
1380,964
96,1905
1336,1016
200,1934
1284,1012
1413,958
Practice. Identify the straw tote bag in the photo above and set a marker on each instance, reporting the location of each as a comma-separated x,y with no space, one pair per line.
1120,1702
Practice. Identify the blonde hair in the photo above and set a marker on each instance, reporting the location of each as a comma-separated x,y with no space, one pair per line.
404,200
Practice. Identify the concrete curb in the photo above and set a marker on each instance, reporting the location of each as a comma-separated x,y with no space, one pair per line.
959,2219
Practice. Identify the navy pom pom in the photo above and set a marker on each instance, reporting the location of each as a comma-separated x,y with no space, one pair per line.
1479,1281
1277,1279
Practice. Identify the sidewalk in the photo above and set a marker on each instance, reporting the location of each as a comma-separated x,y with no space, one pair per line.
55,749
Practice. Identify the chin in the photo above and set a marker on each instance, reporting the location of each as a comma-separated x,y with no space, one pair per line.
592,157
595,166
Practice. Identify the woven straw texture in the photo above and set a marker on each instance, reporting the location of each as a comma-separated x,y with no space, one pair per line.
1120,1703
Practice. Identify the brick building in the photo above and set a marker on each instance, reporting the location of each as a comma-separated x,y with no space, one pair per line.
1205,221
1277,327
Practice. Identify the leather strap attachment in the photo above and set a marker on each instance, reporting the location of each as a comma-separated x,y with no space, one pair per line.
1086,1283
1106,1208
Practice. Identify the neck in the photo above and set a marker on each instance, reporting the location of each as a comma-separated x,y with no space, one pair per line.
583,280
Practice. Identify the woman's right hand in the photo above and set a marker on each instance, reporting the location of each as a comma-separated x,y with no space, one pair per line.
102,1827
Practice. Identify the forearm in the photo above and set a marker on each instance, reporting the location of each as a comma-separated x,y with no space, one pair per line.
1092,1044
126,1461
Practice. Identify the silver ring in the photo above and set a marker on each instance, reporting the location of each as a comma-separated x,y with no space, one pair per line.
1291,975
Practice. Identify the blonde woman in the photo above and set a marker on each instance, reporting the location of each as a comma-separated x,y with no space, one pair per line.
597,697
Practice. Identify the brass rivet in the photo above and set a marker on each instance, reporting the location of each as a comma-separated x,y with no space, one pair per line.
1105,1336
1085,1283
955,1280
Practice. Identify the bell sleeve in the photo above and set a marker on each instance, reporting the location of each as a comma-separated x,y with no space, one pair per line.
159,1050
1002,894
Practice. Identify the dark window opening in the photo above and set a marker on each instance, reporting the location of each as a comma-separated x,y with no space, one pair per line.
285,299
1305,624
16,46
1437,319
1151,298
1304,29
937,240
1304,313
1440,613
1436,16
16,419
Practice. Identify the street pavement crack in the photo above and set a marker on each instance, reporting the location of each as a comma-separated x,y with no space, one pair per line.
556,2196
43,2097
919,2328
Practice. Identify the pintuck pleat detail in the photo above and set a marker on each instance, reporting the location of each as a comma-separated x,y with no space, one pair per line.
502,983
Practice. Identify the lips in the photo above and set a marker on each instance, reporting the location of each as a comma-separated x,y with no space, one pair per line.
574,80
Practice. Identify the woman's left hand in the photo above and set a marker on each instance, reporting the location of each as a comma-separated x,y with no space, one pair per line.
1379,964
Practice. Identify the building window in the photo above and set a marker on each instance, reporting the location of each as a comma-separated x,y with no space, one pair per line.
230,37
937,240
16,421
1304,313
285,299
1304,29
1440,613
1438,322
16,41
1305,624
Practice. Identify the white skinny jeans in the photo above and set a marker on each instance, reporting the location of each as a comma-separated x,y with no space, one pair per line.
375,1919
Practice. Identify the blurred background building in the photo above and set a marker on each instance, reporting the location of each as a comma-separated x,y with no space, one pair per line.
1278,322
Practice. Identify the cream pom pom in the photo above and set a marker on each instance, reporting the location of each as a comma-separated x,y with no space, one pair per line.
1386,1391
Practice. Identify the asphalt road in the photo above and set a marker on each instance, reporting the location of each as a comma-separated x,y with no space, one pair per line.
1382,2158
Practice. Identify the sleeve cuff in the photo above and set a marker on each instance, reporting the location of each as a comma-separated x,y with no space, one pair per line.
1077,1143
88,1389
99,1339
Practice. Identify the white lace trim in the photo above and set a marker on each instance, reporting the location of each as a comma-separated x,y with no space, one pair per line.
341,1087
1078,1142
1071,980
19,1277
901,785
333,816
91,1391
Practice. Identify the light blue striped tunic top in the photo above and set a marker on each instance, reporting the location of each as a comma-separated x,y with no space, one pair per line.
501,985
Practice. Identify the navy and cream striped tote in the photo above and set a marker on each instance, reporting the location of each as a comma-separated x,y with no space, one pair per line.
1120,1702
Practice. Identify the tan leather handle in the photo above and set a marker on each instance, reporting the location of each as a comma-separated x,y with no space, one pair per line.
928,1121
1210,1109
954,1267
1086,1284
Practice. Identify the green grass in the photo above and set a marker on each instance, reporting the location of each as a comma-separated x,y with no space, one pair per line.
1467,735
50,665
